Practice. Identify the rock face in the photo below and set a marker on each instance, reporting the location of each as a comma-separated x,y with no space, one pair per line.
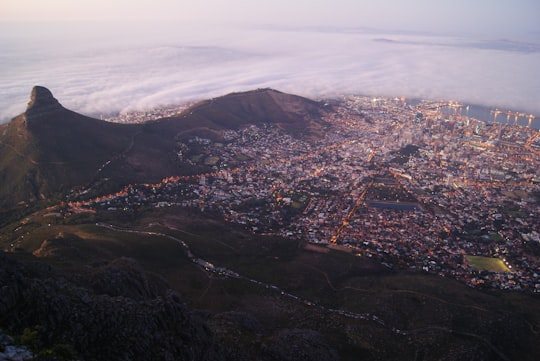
10,352
117,311
297,344
42,103
151,325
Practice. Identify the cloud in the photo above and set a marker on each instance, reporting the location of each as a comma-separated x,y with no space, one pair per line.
96,78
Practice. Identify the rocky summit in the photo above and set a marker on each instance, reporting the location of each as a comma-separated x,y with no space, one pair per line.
42,103
138,324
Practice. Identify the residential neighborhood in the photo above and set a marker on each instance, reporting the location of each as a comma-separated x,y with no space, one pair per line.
418,186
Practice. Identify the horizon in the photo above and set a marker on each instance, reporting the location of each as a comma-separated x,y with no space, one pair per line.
456,17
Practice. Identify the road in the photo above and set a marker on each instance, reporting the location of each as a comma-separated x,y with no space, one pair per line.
224,272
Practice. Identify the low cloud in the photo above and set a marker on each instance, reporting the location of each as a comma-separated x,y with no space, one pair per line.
95,79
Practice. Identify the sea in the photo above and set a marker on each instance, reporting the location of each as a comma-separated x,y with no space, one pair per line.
494,115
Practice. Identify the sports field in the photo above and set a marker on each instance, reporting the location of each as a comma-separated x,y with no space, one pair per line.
480,263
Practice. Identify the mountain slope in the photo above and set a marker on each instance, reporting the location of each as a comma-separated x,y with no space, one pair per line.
292,113
49,149
288,302
138,322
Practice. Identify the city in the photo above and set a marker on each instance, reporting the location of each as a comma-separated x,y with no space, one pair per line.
408,185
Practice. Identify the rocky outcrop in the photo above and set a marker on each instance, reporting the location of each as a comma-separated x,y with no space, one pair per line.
125,277
298,344
11,352
252,341
42,103
144,324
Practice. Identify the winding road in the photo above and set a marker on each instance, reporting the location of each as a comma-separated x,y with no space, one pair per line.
224,272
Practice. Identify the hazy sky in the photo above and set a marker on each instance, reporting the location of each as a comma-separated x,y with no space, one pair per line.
104,56
496,17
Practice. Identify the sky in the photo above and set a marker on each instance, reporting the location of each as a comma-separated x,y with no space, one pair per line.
456,16
100,56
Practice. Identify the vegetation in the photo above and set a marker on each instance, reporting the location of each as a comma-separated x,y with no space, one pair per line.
331,280
32,338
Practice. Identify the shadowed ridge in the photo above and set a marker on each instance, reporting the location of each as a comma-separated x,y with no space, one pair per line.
131,324
42,104
49,149
297,115
64,136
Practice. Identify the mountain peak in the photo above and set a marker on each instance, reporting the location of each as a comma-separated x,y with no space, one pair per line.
42,102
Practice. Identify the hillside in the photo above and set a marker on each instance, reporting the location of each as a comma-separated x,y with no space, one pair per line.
48,150
82,314
259,244
87,279
297,115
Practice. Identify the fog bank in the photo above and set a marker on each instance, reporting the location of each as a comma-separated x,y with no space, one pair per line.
99,70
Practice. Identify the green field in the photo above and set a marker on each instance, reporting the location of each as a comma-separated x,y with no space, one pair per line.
480,263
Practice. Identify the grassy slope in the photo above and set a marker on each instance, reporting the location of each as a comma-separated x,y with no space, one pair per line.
443,316
487,264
